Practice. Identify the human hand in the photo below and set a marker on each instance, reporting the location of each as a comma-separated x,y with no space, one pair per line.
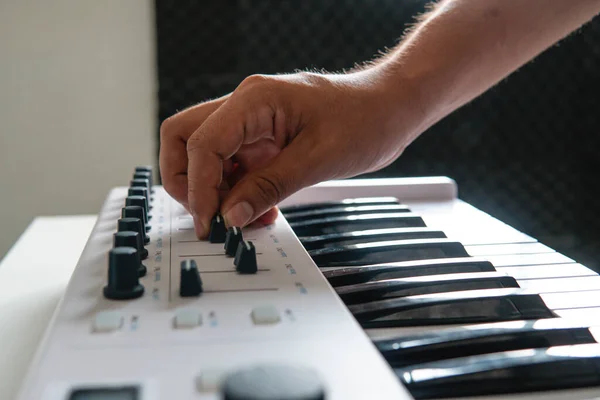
245,152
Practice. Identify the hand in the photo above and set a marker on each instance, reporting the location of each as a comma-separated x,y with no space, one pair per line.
245,152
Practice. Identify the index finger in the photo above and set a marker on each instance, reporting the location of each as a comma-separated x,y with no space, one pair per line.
243,119
174,134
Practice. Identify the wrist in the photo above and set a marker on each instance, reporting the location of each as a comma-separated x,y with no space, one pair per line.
405,99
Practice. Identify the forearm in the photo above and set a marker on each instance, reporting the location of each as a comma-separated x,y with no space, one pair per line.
463,47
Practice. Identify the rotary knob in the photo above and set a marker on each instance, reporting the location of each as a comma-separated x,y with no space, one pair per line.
273,382
139,201
135,225
140,191
144,168
123,274
245,258
132,239
217,230
135,212
141,182
232,240
144,172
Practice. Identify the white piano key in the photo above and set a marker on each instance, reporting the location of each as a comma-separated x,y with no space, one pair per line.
547,271
567,300
589,314
528,259
571,284
508,249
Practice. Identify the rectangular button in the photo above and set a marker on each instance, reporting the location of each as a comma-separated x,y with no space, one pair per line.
107,321
186,319
265,315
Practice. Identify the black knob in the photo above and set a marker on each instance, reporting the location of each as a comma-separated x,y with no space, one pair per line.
144,168
273,382
140,191
131,239
141,183
135,212
217,230
123,274
139,201
245,258
135,225
232,240
190,282
145,171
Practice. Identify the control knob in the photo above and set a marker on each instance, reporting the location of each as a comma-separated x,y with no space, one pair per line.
232,240
273,382
217,230
135,225
132,239
123,274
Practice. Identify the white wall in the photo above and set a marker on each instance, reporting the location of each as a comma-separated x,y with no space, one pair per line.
77,104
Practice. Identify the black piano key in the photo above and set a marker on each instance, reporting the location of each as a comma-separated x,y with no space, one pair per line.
519,371
404,287
327,225
359,201
371,235
482,339
372,273
387,251
472,306
346,210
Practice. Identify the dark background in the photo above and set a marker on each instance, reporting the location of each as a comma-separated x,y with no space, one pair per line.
525,151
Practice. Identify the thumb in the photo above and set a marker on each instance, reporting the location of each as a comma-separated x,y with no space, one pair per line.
298,165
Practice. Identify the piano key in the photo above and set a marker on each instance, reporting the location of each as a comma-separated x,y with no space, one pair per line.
590,314
371,235
518,371
508,248
354,275
323,226
370,273
515,260
346,210
571,284
387,251
570,300
487,305
484,339
403,287
360,201
547,271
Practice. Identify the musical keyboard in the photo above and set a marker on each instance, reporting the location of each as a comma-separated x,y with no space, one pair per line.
387,289
459,304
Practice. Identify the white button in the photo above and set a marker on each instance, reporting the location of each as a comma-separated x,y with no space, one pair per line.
265,315
107,321
209,381
185,319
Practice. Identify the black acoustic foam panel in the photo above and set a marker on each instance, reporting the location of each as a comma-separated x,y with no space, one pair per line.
526,151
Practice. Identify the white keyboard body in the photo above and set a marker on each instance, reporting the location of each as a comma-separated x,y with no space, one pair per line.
148,350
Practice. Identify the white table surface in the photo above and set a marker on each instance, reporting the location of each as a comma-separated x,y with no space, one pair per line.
33,277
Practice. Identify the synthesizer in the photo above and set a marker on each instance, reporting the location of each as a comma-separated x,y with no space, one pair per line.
361,289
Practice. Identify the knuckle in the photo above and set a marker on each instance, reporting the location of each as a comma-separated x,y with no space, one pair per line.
254,80
194,142
167,127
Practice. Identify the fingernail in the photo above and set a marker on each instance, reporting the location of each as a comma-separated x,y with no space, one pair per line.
199,226
239,215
